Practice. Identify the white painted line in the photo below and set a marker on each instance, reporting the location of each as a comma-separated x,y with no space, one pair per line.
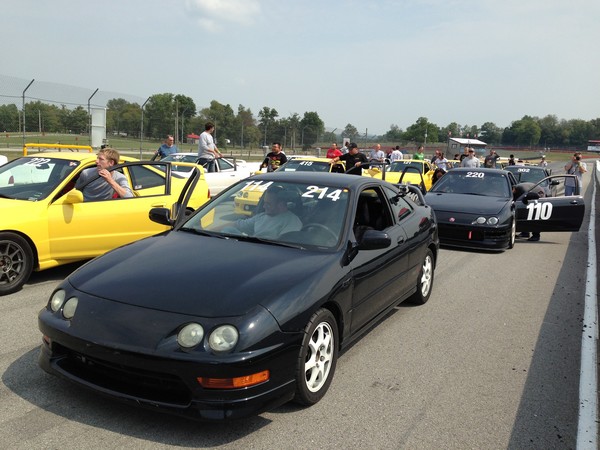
587,427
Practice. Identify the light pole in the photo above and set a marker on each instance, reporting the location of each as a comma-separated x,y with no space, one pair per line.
142,126
302,141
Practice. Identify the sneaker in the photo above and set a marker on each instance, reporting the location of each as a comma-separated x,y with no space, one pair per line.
534,238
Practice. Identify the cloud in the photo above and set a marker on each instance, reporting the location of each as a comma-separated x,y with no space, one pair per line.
214,15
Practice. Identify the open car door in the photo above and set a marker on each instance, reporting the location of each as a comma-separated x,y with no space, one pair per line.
535,213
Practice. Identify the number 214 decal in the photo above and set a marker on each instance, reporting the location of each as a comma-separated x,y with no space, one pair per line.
539,211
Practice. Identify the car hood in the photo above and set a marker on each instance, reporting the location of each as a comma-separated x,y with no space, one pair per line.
465,203
203,276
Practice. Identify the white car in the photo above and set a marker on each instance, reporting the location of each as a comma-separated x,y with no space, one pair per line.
3,159
227,171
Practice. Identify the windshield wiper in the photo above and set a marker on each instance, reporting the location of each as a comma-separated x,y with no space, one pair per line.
267,241
203,232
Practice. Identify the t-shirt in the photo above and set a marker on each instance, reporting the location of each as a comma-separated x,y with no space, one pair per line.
470,162
396,155
274,160
351,160
100,189
334,153
165,150
269,227
490,160
206,143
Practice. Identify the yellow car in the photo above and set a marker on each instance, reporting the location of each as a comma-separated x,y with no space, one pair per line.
405,171
247,199
44,221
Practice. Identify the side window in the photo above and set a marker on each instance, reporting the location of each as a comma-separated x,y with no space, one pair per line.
224,164
372,210
144,178
400,207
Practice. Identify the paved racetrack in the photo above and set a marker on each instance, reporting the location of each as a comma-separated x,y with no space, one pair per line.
491,361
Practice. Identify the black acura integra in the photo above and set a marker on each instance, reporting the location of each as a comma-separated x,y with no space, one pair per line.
476,208
227,316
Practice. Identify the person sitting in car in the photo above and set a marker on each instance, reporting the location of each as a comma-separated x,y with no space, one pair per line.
276,218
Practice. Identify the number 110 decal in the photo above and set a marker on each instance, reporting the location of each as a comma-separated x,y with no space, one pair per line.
539,211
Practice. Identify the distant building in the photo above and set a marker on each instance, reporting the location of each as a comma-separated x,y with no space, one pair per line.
192,138
457,145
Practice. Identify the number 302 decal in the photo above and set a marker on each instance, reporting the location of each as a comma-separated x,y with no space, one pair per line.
539,211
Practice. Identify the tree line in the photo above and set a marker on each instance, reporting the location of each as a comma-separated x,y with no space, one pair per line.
170,114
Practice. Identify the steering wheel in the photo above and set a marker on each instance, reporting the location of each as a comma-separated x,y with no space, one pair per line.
320,226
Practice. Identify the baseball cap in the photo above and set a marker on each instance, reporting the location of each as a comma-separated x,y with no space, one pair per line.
353,145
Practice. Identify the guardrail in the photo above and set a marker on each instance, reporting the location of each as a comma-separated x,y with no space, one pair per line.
60,147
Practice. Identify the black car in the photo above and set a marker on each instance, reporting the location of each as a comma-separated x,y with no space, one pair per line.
475,208
533,174
215,320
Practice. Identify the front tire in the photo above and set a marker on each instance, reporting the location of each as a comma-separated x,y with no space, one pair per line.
16,262
513,233
317,359
425,280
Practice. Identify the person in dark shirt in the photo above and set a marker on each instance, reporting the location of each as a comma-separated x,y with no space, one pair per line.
355,161
274,159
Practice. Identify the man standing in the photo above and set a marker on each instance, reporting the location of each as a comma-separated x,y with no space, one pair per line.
354,160
108,184
274,159
578,168
207,150
419,154
377,154
490,160
396,154
470,161
334,151
167,148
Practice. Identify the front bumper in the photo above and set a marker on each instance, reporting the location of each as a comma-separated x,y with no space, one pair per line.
476,237
170,384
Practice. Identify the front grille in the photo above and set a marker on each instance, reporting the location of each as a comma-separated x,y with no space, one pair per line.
138,383
459,232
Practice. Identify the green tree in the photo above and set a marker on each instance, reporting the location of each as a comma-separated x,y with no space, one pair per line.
490,133
527,131
159,115
312,128
9,118
245,122
115,108
266,117
350,132
421,130
394,134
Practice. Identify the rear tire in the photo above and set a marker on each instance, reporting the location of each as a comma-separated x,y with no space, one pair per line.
16,262
317,359
425,280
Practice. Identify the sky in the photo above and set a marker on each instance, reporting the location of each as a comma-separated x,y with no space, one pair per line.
371,64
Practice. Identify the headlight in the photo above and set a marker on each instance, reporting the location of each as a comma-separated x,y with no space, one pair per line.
480,220
223,338
492,221
70,307
190,335
57,300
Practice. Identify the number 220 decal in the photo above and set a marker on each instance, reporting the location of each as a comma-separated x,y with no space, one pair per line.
539,211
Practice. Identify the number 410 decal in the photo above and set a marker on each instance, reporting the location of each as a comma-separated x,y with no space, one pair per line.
539,211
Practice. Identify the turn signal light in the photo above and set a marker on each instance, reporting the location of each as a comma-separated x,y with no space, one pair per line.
234,383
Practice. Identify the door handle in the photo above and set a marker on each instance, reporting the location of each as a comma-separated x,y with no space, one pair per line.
401,240
574,202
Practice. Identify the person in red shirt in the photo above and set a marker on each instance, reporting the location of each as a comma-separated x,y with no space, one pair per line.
334,151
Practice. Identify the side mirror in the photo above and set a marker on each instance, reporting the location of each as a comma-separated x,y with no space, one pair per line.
374,240
74,196
161,216
554,182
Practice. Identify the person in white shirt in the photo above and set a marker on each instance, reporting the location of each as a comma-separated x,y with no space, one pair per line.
471,161
207,150
396,154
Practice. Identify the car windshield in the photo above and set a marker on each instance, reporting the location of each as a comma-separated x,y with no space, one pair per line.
489,183
33,178
290,214
298,165
527,174
399,166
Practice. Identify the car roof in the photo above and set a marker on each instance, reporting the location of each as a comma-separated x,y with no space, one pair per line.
308,158
76,156
326,178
